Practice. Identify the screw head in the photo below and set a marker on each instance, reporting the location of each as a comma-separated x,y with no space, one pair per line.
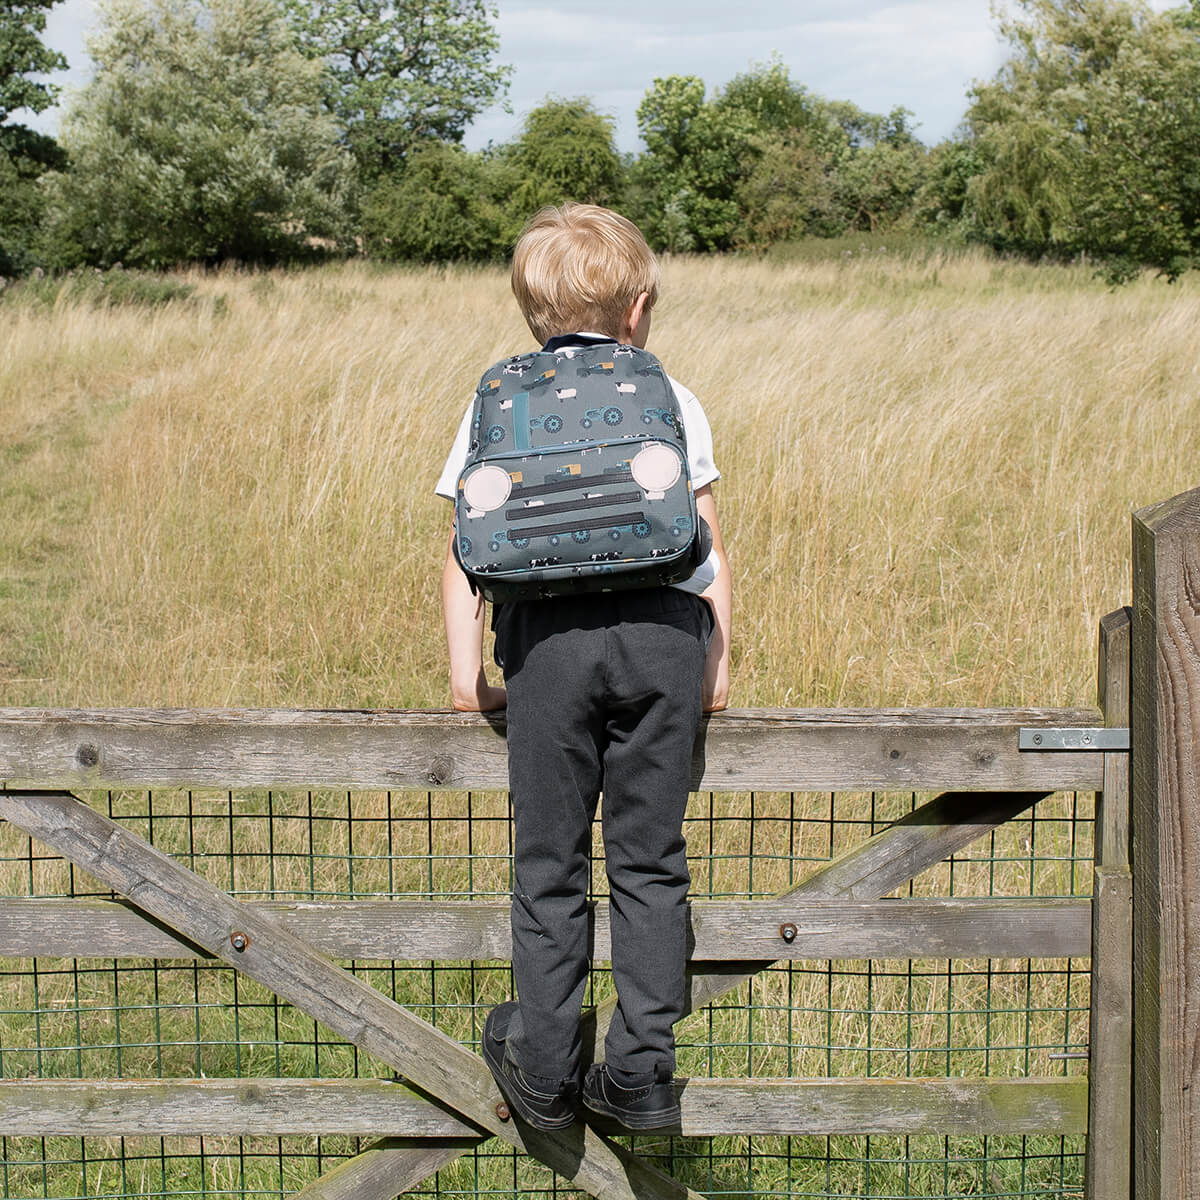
238,940
502,1111
788,932
1037,739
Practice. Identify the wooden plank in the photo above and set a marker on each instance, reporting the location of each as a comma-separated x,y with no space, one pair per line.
403,930
223,1107
372,1107
1165,740
1114,676
385,1170
1108,1164
942,928
286,966
739,750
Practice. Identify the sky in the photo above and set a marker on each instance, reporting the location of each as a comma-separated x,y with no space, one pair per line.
919,54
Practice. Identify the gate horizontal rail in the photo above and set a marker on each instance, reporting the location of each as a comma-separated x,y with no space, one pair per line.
721,930
385,1108
739,750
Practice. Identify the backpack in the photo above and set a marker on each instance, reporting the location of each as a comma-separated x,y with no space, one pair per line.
576,478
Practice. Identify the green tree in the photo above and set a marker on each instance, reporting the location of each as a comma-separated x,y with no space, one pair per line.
565,151
24,153
696,155
788,193
880,169
400,72
765,160
445,205
941,202
22,54
1089,137
201,137
774,102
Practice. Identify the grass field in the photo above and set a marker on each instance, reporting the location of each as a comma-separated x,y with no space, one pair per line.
929,463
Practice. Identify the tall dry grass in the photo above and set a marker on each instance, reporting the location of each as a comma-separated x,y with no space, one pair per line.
929,466
928,471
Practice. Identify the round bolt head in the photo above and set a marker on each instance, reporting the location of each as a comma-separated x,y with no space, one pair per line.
788,932
502,1111
238,940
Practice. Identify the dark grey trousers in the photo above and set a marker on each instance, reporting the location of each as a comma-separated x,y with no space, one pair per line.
604,694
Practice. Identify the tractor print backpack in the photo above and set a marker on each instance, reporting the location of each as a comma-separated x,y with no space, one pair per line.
577,477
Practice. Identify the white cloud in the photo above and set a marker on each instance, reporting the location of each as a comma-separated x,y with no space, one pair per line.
922,54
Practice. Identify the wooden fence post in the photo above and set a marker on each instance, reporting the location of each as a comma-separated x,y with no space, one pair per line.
1108,1169
1165,731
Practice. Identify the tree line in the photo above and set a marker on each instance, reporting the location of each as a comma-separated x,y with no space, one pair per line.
268,131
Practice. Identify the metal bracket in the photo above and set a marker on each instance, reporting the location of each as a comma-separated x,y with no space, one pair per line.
1115,738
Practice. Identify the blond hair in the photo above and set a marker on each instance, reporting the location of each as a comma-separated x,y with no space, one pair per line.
580,267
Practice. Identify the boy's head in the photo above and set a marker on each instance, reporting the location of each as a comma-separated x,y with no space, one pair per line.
583,268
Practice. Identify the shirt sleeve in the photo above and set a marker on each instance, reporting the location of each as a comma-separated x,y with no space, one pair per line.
448,480
698,433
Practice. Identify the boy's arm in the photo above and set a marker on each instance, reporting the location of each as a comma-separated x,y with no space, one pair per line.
463,612
719,595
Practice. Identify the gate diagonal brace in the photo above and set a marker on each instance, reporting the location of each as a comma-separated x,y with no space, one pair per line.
288,966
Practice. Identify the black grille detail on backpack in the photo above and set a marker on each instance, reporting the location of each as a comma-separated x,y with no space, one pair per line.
549,510
614,521
568,484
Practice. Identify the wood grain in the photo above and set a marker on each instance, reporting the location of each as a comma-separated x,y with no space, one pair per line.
373,1107
1165,740
720,930
739,750
1107,1169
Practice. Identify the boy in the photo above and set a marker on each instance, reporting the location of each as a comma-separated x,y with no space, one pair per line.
604,692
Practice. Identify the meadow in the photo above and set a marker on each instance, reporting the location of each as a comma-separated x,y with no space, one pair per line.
929,462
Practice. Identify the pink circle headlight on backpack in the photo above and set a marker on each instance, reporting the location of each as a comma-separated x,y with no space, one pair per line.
656,468
487,488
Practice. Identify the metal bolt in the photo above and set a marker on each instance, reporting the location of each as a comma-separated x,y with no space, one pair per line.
238,940
502,1111
788,932
1037,739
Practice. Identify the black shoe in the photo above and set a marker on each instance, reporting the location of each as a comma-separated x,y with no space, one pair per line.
543,1103
651,1105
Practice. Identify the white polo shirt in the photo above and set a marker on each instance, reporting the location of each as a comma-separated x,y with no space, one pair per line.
696,431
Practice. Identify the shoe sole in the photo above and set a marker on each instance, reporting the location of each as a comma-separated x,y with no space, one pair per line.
545,1124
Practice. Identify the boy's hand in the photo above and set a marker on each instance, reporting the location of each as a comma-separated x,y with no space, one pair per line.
477,696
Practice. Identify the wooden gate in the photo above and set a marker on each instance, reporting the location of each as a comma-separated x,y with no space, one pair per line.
969,760
836,912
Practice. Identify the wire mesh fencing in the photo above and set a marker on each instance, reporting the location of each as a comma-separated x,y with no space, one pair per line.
176,1018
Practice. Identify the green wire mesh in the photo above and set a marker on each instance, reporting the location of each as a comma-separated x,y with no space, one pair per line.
138,1018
